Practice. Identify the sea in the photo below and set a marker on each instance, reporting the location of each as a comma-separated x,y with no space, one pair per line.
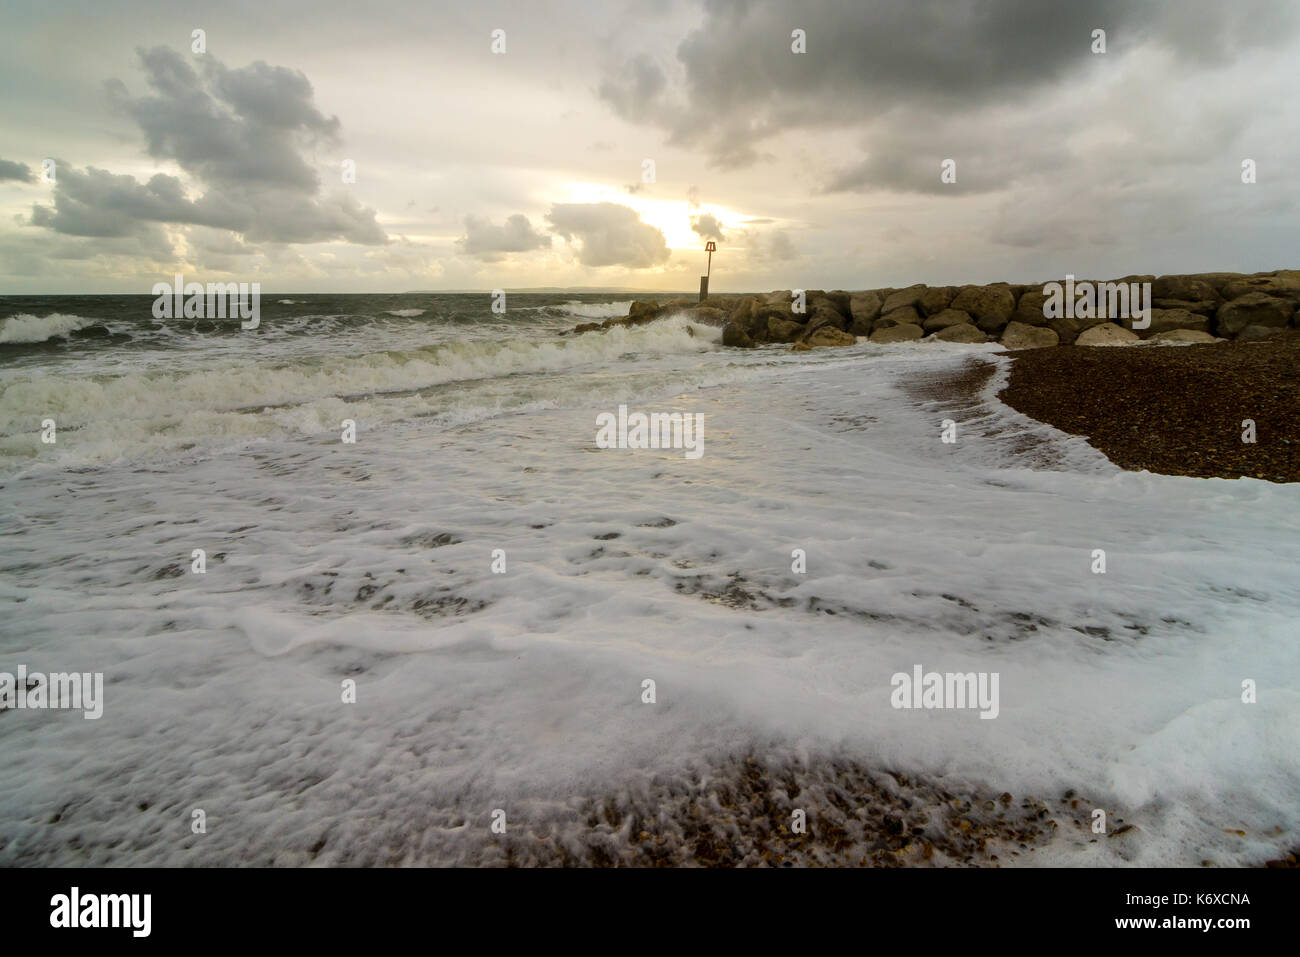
364,589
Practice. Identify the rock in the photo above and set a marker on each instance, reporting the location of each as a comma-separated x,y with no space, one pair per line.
899,317
864,309
841,302
936,299
733,335
707,316
1106,334
1183,335
800,347
946,318
1069,329
959,332
1029,310
783,330
1284,284
746,314
1165,320
1021,335
905,332
904,297
640,307
1193,288
829,336
1204,307
823,315
780,297
1252,309
1253,333
991,306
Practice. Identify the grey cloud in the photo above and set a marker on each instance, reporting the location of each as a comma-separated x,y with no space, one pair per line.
774,246
488,241
238,133
611,235
21,172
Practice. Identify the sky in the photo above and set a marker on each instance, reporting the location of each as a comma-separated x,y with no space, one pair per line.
400,145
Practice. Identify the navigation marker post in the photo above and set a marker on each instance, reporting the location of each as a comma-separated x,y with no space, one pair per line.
709,247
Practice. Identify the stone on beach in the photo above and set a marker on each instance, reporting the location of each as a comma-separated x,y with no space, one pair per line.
1106,334
905,332
1020,335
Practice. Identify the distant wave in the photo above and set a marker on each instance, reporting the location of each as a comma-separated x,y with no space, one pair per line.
26,328
594,310
405,313
287,302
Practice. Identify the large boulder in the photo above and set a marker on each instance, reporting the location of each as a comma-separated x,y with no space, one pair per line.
841,302
641,307
904,297
1183,335
1021,335
823,315
1069,329
1284,284
783,330
1252,309
746,313
708,316
1252,333
1165,320
1203,307
1029,310
991,306
733,335
864,309
829,336
1106,334
1193,288
907,315
935,299
960,332
946,318
906,332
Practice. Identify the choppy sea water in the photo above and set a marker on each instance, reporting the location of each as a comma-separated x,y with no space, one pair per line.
522,691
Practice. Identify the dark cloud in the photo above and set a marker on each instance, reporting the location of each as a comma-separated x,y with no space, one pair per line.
490,242
611,235
735,81
239,134
21,172
707,226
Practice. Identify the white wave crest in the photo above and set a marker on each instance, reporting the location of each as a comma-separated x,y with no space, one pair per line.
597,310
405,313
25,327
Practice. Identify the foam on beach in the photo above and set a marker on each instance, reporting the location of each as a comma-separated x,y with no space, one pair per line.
522,691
